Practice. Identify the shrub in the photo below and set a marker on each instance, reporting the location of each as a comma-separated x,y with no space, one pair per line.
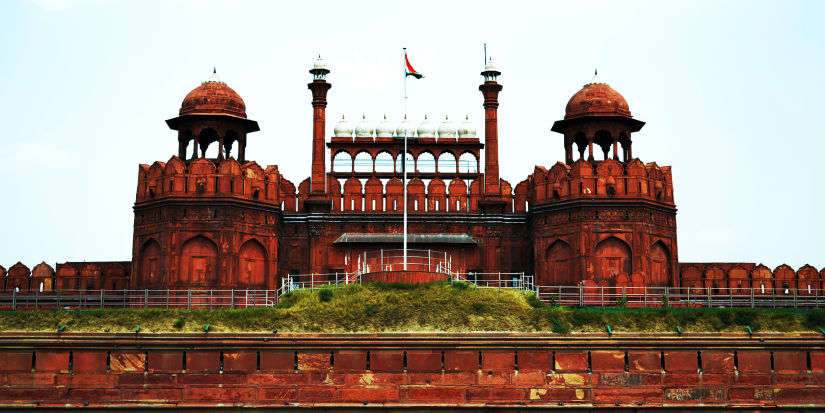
814,319
325,294
371,310
179,323
556,326
478,308
621,302
534,301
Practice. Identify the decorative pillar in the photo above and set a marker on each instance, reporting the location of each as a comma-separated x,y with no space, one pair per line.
615,149
319,88
490,89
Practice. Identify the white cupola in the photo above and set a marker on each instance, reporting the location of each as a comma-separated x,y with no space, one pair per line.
343,129
384,129
466,130
426,129
446,130
363,129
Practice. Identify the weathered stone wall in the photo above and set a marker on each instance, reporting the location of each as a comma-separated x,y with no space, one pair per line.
448,370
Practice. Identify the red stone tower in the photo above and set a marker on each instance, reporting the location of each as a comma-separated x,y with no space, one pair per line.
207,222
605,222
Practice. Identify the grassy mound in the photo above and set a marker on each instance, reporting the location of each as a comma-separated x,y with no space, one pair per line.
436,307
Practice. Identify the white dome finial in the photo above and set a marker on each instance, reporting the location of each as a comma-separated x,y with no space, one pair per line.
214,77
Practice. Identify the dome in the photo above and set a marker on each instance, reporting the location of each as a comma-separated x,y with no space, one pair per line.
213,97
596,99
343,129
446,130
363,129
426,129
405,128
466,130
319,63
384,129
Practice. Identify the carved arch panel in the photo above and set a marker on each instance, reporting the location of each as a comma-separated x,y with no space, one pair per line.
612,257
199,262
252,265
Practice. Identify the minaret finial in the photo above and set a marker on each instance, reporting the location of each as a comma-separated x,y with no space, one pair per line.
214,70
596,72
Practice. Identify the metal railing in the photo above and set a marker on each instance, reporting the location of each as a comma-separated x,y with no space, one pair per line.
146,298
393,260
710,297
569,296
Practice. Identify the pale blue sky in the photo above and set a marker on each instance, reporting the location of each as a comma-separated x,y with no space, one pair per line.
732,93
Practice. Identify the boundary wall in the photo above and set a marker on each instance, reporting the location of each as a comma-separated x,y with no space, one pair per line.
412,370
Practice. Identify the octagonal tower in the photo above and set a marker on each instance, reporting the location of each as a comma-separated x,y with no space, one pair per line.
208,222
608,221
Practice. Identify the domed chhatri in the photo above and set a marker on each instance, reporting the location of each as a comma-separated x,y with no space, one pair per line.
596,99
597,115
213,97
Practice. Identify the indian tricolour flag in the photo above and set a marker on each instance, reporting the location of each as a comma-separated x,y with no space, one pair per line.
410,71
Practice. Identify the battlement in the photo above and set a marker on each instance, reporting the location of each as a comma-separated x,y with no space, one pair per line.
598,179
739,278
202,177
83,276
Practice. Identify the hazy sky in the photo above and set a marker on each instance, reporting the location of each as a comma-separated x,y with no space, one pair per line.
732,93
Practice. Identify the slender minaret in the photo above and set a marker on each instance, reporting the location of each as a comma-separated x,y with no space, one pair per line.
490,89
319,88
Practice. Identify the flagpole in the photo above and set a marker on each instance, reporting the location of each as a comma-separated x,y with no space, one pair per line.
404,163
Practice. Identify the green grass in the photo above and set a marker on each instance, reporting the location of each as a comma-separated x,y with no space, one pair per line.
436,307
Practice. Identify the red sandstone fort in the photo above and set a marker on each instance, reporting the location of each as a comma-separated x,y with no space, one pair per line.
599,217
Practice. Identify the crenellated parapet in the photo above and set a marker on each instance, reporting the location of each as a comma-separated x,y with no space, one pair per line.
206,178
69,276
607,179
739,278
604,223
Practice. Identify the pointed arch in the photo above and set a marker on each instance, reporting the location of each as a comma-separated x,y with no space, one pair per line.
198,262
659,265
149,264
558,260
252,265
612,256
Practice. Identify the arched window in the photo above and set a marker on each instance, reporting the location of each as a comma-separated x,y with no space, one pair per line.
383,162
612,257
426,163
659,265
467,163
363,162
604,140
410,163
342,162
149,263
558,262
252,265
199,262
446,163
